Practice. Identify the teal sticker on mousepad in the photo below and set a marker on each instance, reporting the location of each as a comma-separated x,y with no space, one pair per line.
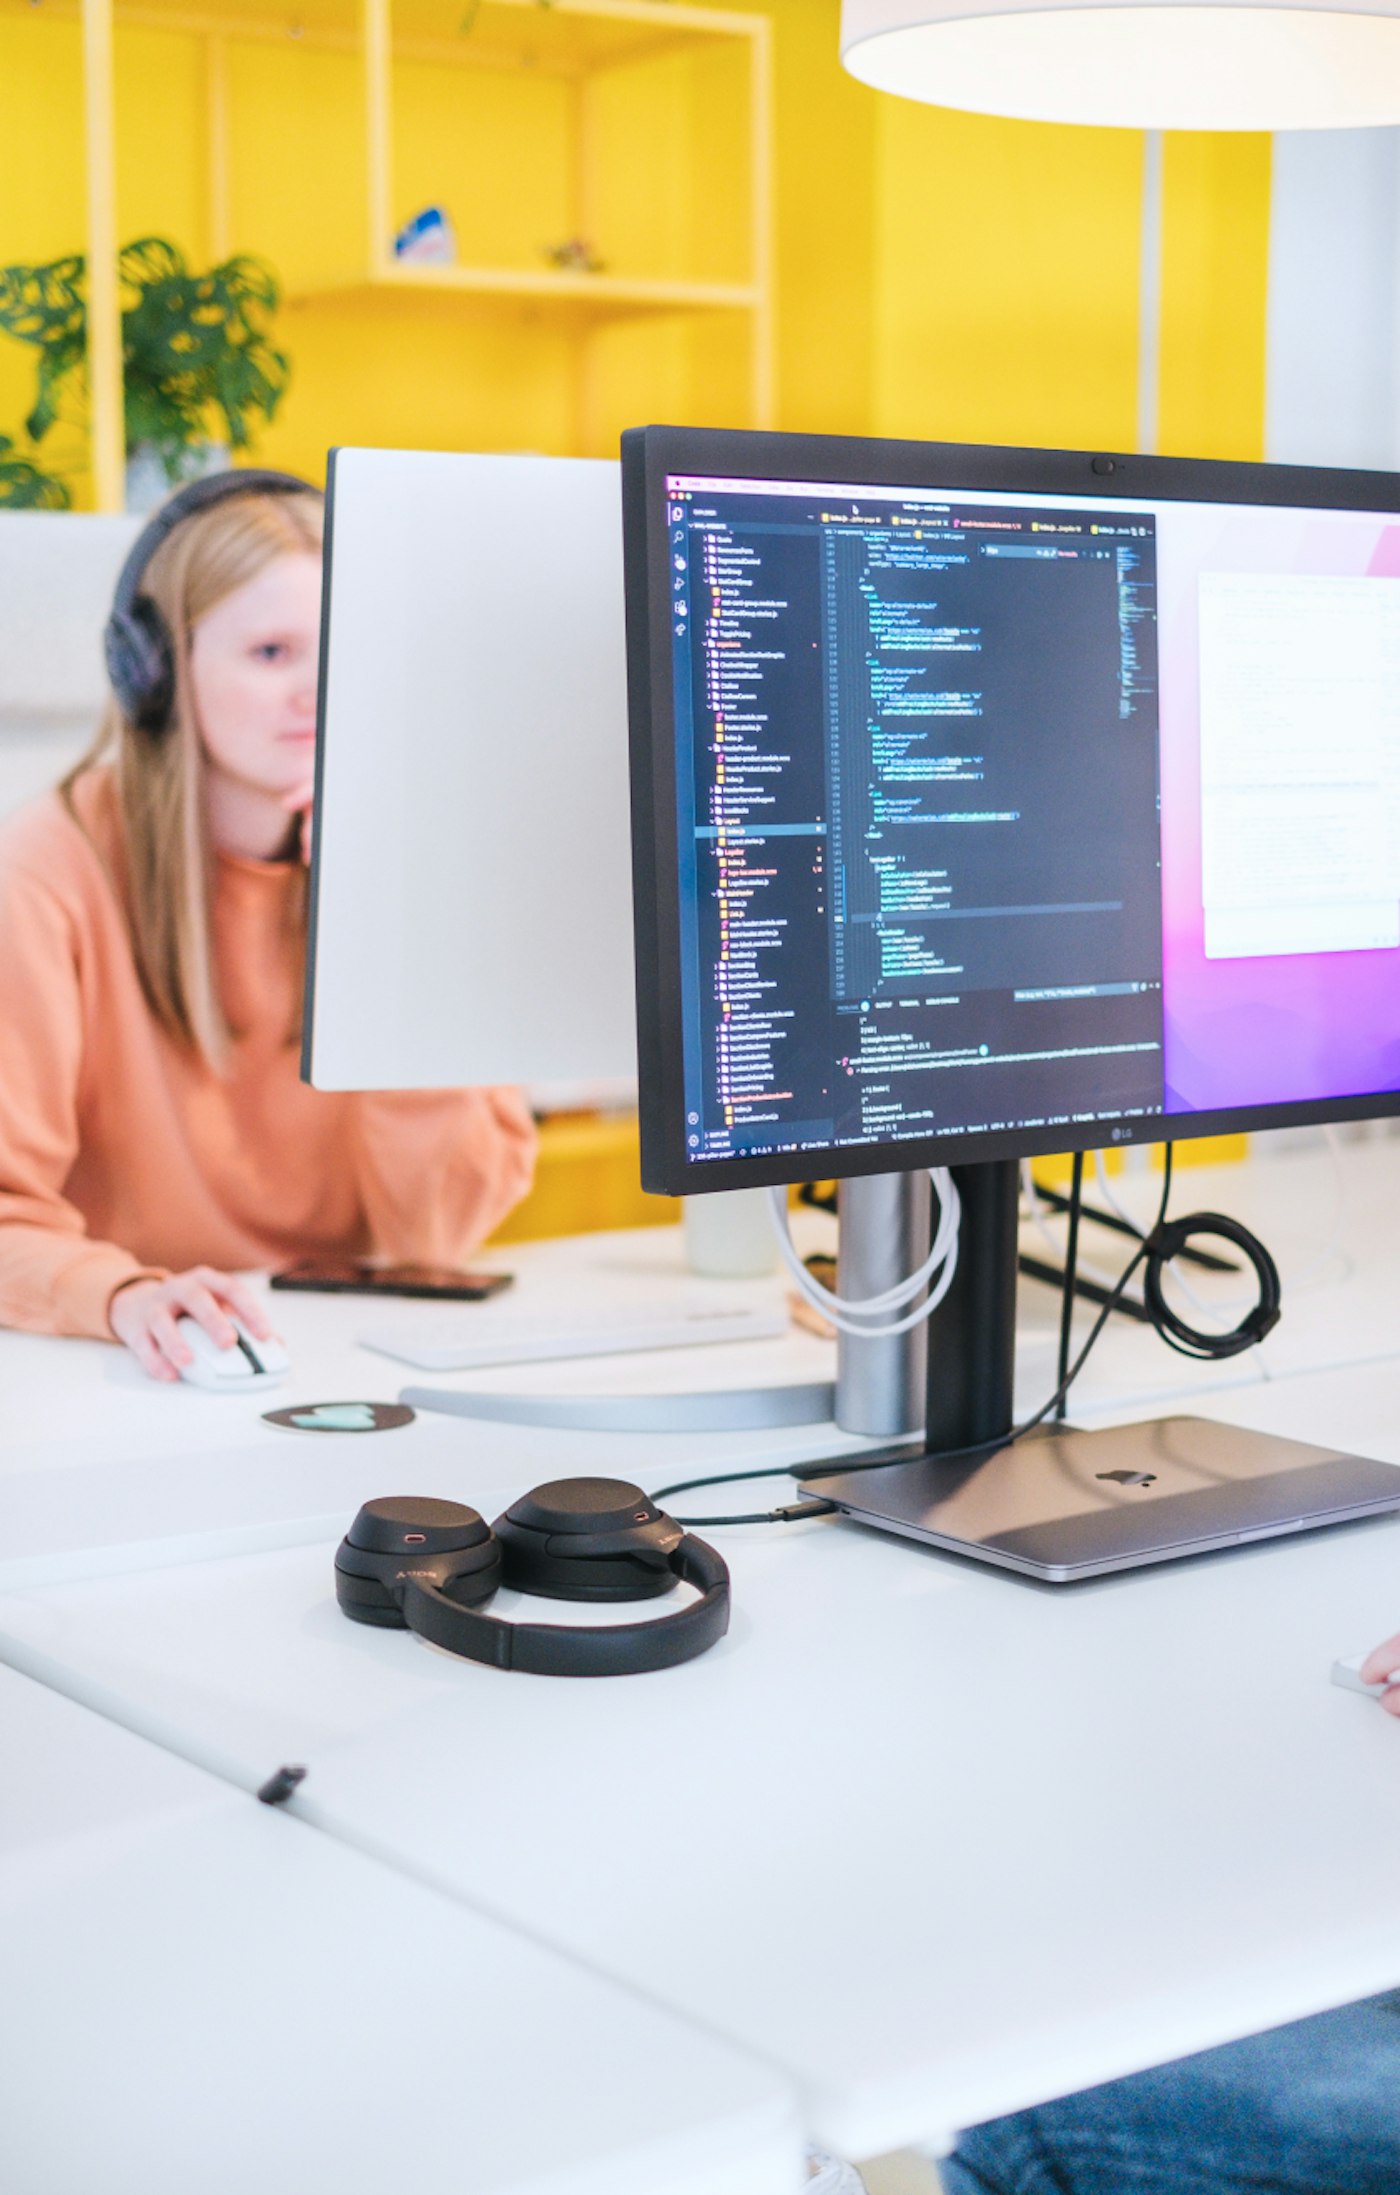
341,1417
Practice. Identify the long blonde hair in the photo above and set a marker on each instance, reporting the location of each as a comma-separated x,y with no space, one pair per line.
159,777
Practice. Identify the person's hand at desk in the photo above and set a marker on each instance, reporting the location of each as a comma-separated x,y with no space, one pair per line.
143,1315
1382,1664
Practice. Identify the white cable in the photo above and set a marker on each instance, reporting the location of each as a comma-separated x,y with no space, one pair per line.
1106,1192
1221,1314
1306,1276
847,1317
1037,1210
846,1313
1303,1276
902,1291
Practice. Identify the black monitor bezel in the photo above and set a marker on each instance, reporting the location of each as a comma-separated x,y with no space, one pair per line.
649,454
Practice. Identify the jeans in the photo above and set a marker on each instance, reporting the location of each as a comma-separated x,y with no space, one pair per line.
1312,2109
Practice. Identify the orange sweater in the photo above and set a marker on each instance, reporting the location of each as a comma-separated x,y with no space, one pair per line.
122,1153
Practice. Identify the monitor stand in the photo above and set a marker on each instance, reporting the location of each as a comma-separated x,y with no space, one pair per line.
1065,1504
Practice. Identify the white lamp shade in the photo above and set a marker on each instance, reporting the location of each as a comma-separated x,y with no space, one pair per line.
1154,64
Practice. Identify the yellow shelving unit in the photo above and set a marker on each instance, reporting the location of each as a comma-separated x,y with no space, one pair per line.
584,78
582,293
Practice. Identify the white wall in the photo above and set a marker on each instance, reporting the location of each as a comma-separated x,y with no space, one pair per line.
57,573
1333,393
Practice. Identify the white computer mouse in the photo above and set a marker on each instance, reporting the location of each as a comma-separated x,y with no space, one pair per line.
250,1364
1347,1673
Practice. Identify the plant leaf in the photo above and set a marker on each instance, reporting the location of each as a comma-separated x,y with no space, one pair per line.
197,355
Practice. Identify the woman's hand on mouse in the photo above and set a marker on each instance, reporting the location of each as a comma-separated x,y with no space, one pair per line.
1381,1663
144,1312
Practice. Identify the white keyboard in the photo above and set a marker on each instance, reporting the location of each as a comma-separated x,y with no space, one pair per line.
464,1343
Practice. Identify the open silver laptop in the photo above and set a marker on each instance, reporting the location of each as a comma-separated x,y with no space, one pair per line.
1065,1504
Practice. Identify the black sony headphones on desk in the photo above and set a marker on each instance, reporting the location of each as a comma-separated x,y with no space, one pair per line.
427,1566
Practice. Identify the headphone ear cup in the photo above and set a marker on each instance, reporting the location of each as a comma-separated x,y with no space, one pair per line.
368,1600
443,1544
588,1540
136,643
141,664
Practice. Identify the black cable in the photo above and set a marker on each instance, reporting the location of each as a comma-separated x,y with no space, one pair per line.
1088,1291
1058,1203
792,1514
1155,1252
987,1447
1139,1257
1076,1196
1191,1341
789,1515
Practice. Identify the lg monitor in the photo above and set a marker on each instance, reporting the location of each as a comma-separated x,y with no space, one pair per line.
995,802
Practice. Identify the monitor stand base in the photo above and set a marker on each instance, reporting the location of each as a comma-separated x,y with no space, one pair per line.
1063,1504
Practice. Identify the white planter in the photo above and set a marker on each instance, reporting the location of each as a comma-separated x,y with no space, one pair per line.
729,1236
146,482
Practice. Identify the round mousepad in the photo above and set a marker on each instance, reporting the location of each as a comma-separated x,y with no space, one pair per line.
341,1417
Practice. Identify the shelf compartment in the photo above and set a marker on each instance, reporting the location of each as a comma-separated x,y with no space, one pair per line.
583,293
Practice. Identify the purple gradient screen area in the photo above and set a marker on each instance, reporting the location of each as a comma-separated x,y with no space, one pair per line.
1281,1029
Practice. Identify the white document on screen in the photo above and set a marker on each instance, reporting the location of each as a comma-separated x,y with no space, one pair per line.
1300,763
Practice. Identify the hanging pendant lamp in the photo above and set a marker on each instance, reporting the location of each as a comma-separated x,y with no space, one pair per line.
1147,64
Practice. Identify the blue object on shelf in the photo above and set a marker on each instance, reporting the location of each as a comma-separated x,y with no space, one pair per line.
428,238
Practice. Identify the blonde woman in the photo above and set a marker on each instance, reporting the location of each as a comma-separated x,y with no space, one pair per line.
155,1136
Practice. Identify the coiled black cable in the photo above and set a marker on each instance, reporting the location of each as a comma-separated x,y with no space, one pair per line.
1164,1241
1167,1241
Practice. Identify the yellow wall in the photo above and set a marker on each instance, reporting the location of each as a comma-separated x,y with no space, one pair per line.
826,220
41,180
939,274
1007,279
1215,248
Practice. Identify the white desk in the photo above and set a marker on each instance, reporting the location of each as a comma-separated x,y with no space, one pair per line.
201,1473
203,1994
102,1469
940,1842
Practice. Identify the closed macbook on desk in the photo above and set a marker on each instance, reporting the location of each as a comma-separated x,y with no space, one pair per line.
1071,1505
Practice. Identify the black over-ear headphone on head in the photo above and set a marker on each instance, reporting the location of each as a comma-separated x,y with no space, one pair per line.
427,1566
136,643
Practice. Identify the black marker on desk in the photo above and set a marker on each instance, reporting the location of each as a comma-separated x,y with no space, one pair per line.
280,1786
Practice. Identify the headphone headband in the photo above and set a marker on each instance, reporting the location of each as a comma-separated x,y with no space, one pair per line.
562,1650
138,649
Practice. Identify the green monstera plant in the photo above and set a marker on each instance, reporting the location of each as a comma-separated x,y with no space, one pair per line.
198,361
25,486
197,349
44,306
